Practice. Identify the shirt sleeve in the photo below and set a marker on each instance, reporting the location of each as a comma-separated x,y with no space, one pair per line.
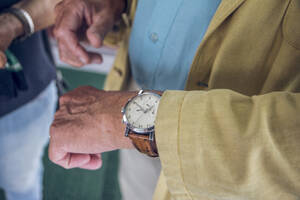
220,144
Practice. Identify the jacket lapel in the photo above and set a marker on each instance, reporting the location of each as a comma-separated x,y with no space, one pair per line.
199,72
226,8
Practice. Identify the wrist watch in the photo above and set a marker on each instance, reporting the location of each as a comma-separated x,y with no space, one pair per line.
139,115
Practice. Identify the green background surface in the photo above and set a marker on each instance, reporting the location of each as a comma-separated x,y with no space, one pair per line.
78,184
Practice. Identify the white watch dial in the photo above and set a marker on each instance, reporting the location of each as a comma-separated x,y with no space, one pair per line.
141,111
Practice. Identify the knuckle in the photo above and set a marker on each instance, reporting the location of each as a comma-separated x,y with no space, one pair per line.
64,99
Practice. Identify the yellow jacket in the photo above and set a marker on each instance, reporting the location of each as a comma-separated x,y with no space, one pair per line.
234,133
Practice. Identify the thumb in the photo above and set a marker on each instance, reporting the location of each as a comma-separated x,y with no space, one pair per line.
3,60
100,27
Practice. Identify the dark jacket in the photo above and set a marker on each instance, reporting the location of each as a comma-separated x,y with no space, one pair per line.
38,70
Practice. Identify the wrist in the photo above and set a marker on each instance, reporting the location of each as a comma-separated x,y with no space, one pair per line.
12,24
139,113
122,142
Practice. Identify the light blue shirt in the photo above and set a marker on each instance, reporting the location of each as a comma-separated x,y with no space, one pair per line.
164,40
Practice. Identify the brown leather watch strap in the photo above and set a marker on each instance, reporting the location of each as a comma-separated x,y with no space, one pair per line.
144,144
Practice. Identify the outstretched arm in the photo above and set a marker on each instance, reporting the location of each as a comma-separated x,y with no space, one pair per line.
212,144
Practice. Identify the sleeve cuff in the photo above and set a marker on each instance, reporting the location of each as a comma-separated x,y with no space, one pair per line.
167,139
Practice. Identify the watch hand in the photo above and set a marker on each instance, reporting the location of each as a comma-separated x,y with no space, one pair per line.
149,109
140,106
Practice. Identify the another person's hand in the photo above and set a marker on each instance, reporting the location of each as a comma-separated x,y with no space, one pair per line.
84,20
89,122
10,28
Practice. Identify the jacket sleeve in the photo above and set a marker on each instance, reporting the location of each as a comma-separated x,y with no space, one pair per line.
220,144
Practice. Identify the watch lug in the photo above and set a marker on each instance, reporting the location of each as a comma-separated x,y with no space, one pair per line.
151,136
127,131
141,92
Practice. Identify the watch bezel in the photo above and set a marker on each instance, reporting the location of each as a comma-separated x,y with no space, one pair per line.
143,131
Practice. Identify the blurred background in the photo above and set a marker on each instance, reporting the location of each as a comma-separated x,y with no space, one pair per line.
78,184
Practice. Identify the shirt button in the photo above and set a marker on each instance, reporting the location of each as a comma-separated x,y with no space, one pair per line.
154,37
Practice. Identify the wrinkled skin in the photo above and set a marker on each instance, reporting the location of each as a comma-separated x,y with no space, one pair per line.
88,123
10,28
84,20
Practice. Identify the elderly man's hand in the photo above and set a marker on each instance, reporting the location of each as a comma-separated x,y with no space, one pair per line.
10,28
88,123
87,20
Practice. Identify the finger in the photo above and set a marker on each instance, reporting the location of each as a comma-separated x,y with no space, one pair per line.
88,12
84,161
96,58
78,160
58,20
94,163
3,59
68,57
64,99
97,31
68,41
60,115
58,7
95,37
56,154
75,49
59,13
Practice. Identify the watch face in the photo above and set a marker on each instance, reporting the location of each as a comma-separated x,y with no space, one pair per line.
140,112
